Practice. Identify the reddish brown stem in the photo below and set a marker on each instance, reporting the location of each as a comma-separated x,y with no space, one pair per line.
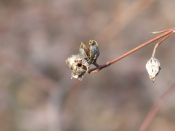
154,109
168,32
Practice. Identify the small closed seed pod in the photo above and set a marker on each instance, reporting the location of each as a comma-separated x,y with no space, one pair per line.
153,68
94,52
78,65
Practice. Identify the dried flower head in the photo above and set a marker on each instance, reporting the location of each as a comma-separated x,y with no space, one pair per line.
78,65
153,68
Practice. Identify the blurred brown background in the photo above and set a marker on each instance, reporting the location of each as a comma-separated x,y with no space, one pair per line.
36,92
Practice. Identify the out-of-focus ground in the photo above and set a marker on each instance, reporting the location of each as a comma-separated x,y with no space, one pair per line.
36,92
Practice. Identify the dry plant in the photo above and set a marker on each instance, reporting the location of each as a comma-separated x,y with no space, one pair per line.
153,64
80,63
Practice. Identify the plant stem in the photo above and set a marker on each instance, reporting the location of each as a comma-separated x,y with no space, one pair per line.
167,33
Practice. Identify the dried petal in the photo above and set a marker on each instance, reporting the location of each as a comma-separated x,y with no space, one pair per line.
153,68
78,65
84,51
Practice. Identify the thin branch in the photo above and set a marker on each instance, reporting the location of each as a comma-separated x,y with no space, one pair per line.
155,109
155,47
167,33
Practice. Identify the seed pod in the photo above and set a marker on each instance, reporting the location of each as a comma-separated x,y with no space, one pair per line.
94,52
78,65
153,68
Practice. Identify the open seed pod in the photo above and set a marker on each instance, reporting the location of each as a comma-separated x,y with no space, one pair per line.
79,64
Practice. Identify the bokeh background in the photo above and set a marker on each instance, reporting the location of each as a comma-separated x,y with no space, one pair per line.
36,92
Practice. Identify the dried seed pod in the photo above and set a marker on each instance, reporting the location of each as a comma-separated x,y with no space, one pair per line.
153,68
78,65
94,52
